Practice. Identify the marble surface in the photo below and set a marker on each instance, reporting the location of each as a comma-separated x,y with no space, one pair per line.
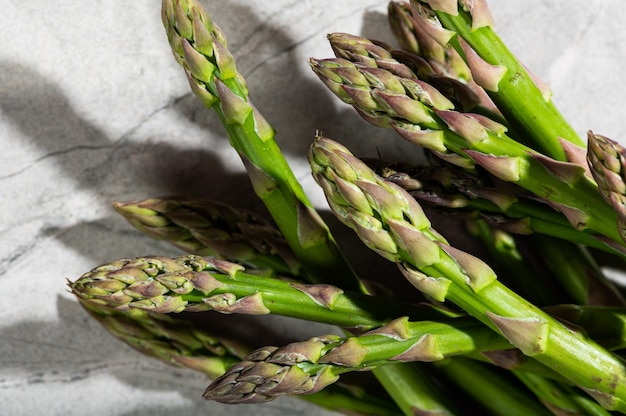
93,108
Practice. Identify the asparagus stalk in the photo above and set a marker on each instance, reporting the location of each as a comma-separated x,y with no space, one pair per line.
308,366
506,397
450,190
211,228
523,100
420,114
200,47
605,324
193,283
400,381
560,399
184,343
392,224
577,272
517,268
571,264
445,61
170,339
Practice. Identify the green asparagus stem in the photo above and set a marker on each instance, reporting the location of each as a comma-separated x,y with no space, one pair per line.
211,228
560,399
605,324
200,47
420,114
390,222
170,339
446,62
450,190
184,343
505,396
193,283
400,381
308,366
523,100
519,271
577,272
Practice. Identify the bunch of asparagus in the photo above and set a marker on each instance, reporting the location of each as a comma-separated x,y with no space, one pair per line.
535,322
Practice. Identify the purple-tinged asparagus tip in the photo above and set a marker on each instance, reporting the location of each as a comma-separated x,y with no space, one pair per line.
435,287
506,168
566,172
530,335
235,108
396,329
478,9
479,274
424,350
349,354
467,127
447,6
485,74
322,294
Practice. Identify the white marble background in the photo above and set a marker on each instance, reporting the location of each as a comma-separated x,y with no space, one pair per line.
93,108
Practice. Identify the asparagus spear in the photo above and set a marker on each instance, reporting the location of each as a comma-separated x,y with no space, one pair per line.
401,63
605,324
392,224
200,47
450,190
523,100
420,114
308,366
607,162
559,398
184,343
506,396
193,283
445,61
170,339
211,228
400,381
